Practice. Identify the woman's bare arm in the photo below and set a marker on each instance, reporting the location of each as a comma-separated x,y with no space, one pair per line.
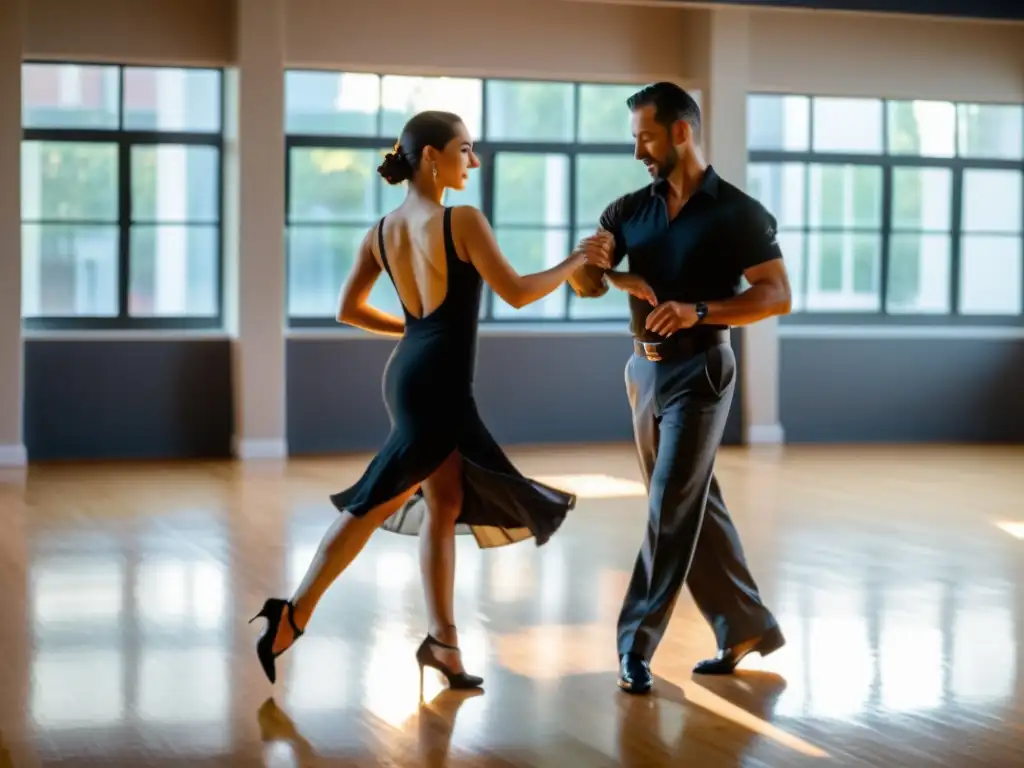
475,238
353,304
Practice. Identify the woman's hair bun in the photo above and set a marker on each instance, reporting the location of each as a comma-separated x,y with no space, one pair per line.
396,168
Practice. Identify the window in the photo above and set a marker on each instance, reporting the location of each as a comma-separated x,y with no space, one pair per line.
121,201
553,155
894,209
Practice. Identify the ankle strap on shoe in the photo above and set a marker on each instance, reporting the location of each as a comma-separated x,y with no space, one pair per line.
434,641
291,620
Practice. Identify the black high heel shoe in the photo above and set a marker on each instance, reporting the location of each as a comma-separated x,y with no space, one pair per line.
458,681
273,611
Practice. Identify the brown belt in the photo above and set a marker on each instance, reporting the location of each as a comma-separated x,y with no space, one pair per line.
681,345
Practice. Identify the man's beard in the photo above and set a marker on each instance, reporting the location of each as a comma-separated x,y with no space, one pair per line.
665,167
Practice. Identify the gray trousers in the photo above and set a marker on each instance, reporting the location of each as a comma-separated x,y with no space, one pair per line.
679,412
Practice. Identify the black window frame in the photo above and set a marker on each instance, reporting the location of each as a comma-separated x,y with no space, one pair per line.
125,140
486,149
888,161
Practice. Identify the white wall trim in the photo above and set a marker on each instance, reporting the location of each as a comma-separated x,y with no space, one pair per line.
981,332
255,450
13,455
765,434
125,335
532,330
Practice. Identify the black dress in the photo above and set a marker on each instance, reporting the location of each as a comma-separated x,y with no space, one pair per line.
428,391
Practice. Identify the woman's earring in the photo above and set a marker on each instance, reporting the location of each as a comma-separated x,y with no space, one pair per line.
434,169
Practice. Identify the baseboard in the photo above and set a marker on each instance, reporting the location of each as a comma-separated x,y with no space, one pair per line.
254,450
13,455
765,434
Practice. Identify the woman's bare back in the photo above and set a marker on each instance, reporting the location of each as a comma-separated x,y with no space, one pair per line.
415,250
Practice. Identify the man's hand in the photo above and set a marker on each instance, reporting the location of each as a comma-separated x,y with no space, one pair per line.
633,285
670,317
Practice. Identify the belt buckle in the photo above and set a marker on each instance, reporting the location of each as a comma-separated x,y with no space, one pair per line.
651,351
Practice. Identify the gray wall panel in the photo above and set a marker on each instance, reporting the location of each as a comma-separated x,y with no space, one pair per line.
530,389
128,399
902,390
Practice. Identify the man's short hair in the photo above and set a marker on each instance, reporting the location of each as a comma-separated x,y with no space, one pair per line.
670,103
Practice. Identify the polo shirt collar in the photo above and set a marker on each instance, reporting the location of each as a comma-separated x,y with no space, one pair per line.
708,185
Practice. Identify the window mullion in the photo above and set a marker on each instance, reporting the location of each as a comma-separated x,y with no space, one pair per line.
124,217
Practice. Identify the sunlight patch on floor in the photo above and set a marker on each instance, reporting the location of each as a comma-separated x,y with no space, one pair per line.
1015,529
596,486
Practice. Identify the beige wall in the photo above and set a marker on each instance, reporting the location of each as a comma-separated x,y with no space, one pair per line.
12,452
724,52
131,31
823,53
541,38
859,55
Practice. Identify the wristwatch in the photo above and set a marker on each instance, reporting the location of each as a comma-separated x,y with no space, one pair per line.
702,310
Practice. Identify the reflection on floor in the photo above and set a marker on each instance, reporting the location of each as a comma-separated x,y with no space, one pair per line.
896,574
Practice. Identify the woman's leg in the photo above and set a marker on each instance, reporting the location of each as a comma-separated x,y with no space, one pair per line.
442,492
339,547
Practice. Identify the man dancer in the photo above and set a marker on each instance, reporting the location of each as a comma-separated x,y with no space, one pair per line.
689,237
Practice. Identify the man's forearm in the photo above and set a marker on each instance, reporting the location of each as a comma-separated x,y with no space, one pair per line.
758,302
589,282
617,279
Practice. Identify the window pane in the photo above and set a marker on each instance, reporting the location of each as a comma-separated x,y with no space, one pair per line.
319,261
173,271
922,198
604,116
69,271
175,183
922,128
992,201
68,181
531,189
614,305
167,99
778,122
847,125
333,185
392,196
402,97
528,251
990,130
780,187
600,179
69,96
529,111
842,272
990,275
919,273
331,103
846,196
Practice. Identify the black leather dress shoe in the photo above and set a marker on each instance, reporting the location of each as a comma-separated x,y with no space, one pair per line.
634,674
725,662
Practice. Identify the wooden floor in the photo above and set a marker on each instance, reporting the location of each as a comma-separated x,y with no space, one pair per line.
125,591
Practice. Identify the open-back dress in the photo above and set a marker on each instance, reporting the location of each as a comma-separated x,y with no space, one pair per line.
428,391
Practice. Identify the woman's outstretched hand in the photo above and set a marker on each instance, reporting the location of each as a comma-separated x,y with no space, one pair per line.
598,249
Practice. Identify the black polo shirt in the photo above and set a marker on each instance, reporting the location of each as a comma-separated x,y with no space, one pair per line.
701,254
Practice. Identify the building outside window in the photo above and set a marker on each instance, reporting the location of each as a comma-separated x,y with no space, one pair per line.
894,211
121,196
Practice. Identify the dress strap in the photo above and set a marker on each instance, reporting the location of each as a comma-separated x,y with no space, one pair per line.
449,240
380,247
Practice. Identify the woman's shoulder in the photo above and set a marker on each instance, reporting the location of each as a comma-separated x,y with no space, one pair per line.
468,217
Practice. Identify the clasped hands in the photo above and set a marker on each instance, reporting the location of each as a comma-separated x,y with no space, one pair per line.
667,317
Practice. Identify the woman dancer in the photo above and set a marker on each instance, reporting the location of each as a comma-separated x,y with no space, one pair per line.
438,452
